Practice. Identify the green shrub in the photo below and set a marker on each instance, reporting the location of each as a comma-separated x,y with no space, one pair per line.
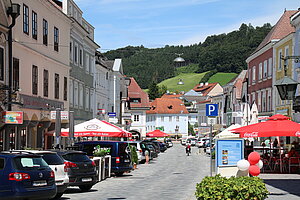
100,153
134,156
233,188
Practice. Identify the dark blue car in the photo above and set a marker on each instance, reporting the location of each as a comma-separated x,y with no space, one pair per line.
25,176
118,150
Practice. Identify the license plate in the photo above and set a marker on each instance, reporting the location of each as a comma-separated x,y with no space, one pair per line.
86,179
126,160
39,183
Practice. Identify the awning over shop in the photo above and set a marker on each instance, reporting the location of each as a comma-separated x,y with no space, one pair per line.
96,128
277,125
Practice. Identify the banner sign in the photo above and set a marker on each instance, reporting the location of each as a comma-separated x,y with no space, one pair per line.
12,117
63,115
229,152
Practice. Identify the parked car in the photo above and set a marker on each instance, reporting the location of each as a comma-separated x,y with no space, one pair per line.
118,150
192,141
155,146
169,143
200,143
150,149
139,150
163,146
24,175
56,163
183,141
81,170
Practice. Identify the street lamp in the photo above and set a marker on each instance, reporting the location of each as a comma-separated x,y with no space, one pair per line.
287,87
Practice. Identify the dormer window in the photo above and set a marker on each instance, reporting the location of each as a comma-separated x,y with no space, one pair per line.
170,107
135,100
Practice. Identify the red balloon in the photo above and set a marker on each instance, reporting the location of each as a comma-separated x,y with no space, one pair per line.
254,170
253,158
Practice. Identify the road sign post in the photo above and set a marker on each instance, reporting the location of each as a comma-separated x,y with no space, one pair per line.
211,111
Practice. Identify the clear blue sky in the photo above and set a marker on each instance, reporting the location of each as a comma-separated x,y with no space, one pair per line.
156,23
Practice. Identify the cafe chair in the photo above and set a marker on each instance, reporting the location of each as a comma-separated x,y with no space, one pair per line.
294,162
267,165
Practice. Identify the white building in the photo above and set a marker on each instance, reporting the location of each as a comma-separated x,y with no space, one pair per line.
169,115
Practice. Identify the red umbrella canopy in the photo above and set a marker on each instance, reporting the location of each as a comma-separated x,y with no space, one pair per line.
157,133
277,125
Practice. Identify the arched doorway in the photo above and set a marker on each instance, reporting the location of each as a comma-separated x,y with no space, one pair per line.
135,135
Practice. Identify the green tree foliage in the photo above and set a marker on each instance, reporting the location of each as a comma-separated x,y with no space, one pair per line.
153,91
191,129
224,52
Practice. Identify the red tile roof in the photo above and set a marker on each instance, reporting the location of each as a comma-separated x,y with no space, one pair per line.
167,106
135,92
205,89
281,29
171,96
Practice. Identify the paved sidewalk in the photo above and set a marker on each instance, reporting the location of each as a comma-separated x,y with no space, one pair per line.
282,186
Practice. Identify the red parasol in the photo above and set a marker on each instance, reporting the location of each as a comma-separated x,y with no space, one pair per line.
157,133
277,125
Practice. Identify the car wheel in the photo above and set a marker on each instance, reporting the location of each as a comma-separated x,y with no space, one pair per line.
119,173
57,196
85,188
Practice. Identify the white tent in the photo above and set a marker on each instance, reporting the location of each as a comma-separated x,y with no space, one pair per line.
227,133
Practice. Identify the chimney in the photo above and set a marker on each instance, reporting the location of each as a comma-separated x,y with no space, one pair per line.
206,83
201,84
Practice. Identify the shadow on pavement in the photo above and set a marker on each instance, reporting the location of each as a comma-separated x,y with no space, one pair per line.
77,190
290,186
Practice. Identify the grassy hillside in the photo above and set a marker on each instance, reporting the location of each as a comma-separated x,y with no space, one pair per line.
189,79
192,79
222,78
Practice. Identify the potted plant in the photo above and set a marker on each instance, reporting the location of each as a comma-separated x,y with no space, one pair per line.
134,156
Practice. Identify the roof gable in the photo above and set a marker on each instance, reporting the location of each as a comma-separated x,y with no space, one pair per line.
167,106
135,92
205,88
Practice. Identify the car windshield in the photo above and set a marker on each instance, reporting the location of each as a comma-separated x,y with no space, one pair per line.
76,157
23,163
52,159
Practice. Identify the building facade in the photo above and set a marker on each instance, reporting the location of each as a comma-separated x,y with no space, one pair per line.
82,50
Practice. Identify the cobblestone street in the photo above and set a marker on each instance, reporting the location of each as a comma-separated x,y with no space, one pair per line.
173,175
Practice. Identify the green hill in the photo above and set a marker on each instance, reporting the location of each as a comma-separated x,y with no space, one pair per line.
222,78
192,79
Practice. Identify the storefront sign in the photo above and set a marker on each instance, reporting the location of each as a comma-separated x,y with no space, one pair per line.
229,152
12,117
63,115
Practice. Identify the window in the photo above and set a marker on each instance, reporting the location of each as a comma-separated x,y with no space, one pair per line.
136,118
34,79
1,64
16,74
162,118
34,25
135,100
65,88
87,99
270,66
45,32
87,62
260,71
265,72
76,93
46,83
170,118
25,19
2,163
56,86
81,95
279,61
71,93
71,51
76,54
177,118
80,57
56,39
253,75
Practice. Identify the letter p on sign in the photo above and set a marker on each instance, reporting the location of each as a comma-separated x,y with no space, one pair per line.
211,110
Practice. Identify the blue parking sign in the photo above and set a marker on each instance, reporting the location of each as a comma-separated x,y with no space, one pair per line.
211,110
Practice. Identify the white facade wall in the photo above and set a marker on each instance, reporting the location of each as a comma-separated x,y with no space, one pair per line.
169,121
138,123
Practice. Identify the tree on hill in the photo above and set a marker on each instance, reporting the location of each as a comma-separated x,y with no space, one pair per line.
224,52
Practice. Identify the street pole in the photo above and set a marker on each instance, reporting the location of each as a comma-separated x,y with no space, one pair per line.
210,143
57,128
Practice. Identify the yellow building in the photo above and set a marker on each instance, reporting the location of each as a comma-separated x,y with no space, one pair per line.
283,48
